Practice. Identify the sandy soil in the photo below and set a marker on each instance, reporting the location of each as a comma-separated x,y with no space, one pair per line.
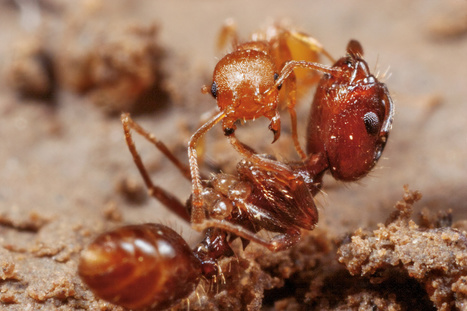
66,175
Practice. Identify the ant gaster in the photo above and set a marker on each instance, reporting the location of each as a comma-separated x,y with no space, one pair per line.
151,266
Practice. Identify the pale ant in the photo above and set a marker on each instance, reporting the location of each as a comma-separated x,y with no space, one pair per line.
246,85
151,266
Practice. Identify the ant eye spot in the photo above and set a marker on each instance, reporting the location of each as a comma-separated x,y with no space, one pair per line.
371,123
214,89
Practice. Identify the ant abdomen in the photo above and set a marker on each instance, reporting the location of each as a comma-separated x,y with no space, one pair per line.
140,266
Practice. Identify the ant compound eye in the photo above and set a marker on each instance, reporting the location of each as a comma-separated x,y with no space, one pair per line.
229,131
276,76
371,123
214,89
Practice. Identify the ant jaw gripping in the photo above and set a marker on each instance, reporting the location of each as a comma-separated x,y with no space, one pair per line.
350,118
275,126
277,134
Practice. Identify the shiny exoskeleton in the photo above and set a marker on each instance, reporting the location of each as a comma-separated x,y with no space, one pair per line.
348,128
139,266
350,118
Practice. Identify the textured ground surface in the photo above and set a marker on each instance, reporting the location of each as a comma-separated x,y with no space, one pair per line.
66,175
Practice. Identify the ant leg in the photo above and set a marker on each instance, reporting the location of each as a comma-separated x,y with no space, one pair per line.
240,147
295,45
198,213
293,119
129,123
289,66
157,192
313,45
201,144
249,153
291,100
279,242
275,126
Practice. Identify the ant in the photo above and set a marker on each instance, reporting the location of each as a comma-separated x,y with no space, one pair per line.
151,266
243,79
246,85
341,103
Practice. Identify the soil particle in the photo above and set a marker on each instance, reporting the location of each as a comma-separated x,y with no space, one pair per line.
119,71
31,72
435,257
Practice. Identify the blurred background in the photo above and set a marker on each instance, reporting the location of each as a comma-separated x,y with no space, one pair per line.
69,68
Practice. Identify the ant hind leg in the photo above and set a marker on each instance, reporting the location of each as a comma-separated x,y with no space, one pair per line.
157,192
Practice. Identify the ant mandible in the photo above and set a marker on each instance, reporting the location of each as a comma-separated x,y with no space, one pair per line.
151,266
246,86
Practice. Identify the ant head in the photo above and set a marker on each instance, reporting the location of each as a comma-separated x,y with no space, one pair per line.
351,117
243,83
149,254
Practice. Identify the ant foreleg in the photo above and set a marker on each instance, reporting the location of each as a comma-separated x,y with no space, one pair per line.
289,66
251,154
157,192
279,242
287,71
198,212
240,147
293,120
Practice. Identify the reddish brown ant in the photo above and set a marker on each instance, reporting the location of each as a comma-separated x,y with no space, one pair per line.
150,265
351,135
